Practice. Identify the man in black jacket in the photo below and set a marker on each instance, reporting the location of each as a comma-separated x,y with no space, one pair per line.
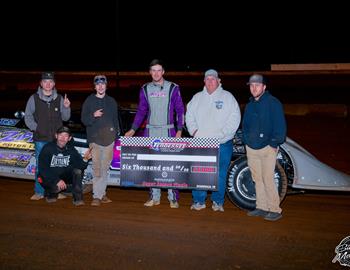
99,114
61,166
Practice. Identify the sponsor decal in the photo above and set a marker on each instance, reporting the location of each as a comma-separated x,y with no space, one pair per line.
115,164
167,146
15,159
14,138
343,252
158,94
8,122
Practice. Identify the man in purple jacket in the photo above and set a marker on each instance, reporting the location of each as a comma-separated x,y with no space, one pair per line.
159,101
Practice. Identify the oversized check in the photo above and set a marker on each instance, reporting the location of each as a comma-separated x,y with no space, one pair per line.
181,163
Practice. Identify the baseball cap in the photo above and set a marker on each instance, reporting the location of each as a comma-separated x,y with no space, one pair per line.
256,78
48,76
64,129
100,79
211,72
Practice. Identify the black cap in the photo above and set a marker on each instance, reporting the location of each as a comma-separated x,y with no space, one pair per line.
256,78
48,76
64,129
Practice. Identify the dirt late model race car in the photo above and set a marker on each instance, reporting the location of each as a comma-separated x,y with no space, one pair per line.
296,167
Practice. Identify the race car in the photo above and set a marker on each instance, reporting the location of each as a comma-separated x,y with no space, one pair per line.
296,168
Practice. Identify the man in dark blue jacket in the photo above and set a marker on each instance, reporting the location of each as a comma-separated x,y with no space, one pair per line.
264,129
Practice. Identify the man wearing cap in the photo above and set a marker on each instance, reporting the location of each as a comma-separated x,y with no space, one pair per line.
100,116
160,104
61,166
264,129
44,114
214,113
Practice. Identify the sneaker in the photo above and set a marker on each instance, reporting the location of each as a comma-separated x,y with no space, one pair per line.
61,196
78,203
51,200
257,213
197,206
96,202
217,207
174,204
37,197
273,216
151,203
105,199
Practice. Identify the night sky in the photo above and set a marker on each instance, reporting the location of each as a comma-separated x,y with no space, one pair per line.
127,35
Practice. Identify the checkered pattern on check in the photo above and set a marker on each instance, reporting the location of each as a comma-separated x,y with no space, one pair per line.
191,142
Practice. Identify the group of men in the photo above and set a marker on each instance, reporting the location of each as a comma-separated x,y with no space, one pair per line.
59,165
211,113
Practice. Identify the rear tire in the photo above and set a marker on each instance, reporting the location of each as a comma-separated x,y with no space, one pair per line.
241,187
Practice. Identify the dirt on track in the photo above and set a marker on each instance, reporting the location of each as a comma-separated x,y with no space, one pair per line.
126,235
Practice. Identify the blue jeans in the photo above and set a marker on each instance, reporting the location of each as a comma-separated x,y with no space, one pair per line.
155,193
38,189
225,152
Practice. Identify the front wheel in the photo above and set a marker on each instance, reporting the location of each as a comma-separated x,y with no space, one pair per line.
241,187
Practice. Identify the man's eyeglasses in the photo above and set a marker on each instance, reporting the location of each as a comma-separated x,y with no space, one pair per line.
100,80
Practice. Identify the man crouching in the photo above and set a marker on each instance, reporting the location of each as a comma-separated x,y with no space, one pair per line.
61,166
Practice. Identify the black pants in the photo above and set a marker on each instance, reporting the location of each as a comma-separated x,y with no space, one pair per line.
73,180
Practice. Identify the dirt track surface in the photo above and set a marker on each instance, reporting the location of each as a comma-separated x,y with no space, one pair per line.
126,235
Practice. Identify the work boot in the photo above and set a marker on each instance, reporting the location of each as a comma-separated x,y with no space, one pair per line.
96,202
37,197
105,199
174,204
151,203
